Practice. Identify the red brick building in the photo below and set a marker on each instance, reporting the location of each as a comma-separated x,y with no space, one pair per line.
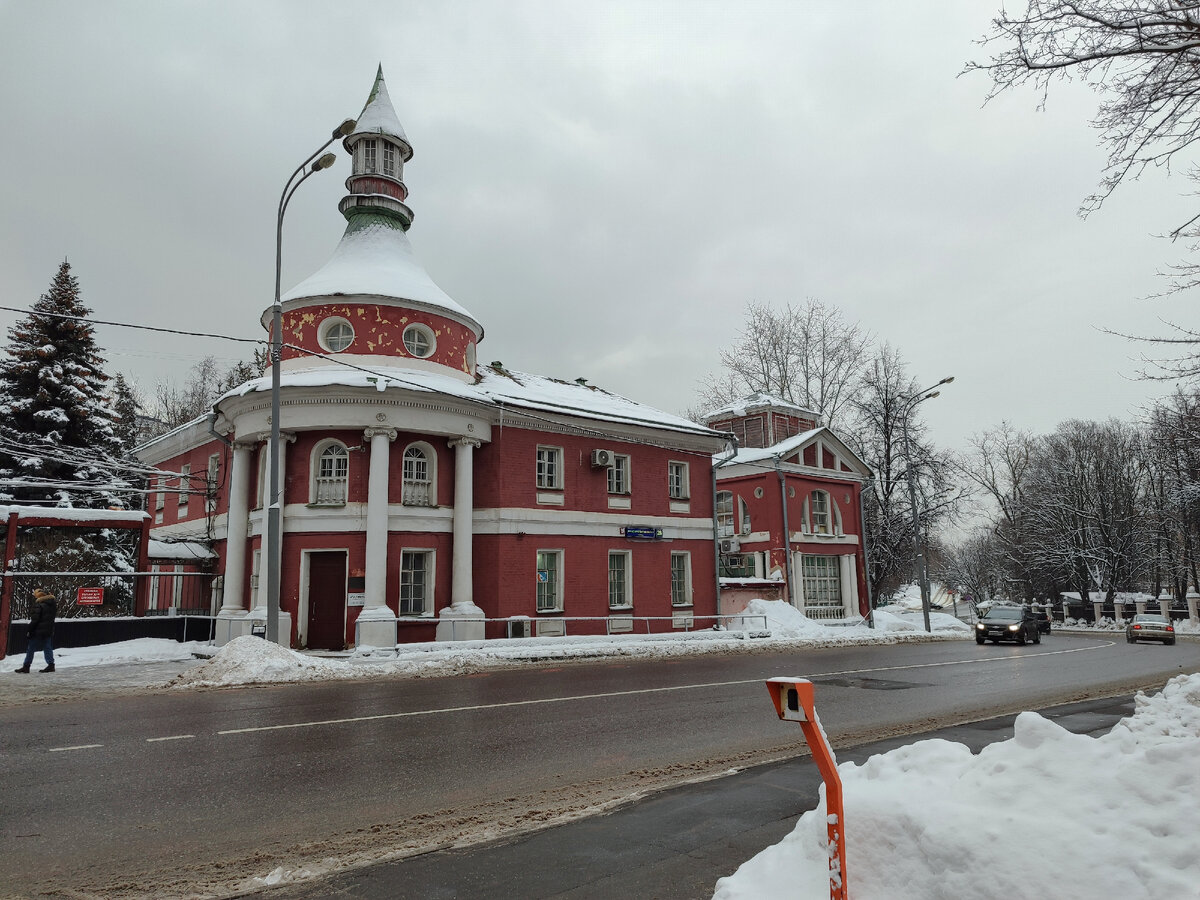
422,492
791,476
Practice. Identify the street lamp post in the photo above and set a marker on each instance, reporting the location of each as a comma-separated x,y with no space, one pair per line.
274,506
918,533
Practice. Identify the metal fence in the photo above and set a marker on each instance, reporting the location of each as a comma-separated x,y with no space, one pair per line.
104,594
589,626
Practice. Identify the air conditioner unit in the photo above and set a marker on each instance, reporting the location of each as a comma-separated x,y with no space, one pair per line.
730,545
602,459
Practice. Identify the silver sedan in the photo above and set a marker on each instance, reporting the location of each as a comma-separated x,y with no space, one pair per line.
1150,628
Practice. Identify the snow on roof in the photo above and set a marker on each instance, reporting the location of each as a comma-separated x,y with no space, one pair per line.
73,515
181,550
377,259
783,448
379,116
495,388
757,401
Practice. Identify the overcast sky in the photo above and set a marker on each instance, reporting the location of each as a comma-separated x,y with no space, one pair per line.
603,185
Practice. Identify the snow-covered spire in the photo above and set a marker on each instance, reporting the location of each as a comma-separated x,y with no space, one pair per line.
375,258
380,149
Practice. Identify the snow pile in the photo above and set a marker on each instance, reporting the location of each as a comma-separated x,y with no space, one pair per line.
141,649
783,619
251,660
890,621
1048,812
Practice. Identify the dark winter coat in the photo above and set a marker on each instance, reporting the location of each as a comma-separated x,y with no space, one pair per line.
41,623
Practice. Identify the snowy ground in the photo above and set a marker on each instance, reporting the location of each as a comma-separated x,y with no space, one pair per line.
1047,813
250,660
1115,816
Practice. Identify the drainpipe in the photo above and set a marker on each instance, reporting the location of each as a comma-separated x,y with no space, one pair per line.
862,529
787,536
733,449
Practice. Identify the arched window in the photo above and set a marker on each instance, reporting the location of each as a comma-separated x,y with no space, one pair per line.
819,521
743,516
725,522
330,474
419,481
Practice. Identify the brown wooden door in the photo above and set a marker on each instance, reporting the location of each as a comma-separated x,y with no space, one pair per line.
327,601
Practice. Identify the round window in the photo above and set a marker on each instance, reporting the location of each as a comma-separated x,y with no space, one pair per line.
335,335
419,341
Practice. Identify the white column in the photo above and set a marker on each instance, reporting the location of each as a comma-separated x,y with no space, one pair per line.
462,620
1164,606
260,598
377,623
849,578
259,613
377,516
233,601
1191,605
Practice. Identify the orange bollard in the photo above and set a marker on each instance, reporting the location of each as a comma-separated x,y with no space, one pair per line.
793,699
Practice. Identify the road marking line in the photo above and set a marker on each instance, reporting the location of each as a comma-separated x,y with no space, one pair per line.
77,747
174,737
655,690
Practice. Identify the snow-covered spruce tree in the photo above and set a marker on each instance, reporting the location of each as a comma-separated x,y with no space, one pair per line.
57,438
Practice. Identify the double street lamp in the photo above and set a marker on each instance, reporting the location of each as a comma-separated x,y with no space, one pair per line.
274,506
918,533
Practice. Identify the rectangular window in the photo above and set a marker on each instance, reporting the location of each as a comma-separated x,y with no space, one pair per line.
161,499
618,475
822,587
820,512
416,567
549,468
185,484
369,155
754,432
389,158
677,480
737,565
549,580
681,579
724,514
620,592
213,475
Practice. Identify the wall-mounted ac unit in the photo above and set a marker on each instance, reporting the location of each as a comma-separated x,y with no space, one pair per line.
602,459
729,545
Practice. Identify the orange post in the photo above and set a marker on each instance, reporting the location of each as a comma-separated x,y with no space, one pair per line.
793,699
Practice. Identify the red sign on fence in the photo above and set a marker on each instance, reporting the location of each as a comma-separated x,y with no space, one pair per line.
89,596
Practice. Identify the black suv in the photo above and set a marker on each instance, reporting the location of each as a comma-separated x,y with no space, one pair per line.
1008,623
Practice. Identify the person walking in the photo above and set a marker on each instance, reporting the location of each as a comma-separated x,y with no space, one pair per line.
41,629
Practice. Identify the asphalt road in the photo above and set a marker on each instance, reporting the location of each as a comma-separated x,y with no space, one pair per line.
221,792
672,846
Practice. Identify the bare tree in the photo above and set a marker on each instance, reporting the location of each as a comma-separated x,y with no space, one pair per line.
176,404
1143,58
877,437
976,567
1086,511
808,355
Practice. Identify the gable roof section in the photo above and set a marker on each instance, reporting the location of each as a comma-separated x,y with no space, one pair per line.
791,450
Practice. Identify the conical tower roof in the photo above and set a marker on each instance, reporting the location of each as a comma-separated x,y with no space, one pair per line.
379,117
374,258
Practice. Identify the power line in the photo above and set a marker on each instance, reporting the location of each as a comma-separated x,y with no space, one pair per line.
204,334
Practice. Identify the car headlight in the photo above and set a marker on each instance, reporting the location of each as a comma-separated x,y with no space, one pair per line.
1014,627
980,626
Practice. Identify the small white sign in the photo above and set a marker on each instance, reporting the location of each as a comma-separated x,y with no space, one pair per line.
356,599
